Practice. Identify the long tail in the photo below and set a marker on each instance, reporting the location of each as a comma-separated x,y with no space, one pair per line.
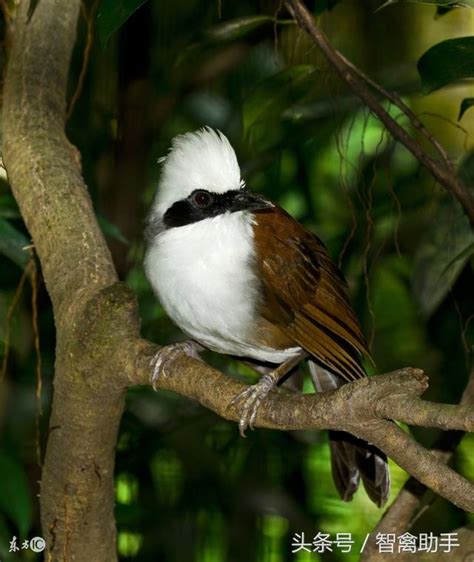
352,458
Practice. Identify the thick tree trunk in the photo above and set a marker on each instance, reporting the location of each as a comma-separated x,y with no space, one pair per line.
77,498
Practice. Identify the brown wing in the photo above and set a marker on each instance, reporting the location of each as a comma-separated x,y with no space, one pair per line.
304,294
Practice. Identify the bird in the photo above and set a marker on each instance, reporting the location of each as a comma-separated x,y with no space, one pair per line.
240,276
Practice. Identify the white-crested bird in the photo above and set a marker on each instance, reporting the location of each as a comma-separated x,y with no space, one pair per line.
241,277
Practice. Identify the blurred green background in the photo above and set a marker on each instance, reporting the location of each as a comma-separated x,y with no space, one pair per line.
188,487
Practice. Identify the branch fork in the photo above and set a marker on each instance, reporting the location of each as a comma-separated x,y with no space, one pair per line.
364,408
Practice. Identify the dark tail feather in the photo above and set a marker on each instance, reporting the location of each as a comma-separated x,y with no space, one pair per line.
353,458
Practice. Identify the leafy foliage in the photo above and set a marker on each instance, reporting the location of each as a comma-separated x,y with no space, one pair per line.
465,105
13,243
442,254
441,4
445,247
447,62
239,27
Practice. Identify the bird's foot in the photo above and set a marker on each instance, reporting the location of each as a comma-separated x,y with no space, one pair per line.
251,399
163,358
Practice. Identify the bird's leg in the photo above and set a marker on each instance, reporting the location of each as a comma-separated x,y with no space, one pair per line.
293,383
166,355
260,368
254,395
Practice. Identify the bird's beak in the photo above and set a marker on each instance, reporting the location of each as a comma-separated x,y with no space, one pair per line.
248,201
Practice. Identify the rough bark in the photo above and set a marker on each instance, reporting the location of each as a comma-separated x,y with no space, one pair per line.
402,513
77,498
361,408
99,351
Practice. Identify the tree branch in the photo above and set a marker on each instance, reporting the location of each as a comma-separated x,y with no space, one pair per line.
399,516
358,83
399,391
354,407
51,184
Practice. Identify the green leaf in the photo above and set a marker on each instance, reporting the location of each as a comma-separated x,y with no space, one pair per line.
445,248
12,243
113,14
439,3
443,10
441,256
8,207
235,29
110,229
15,500
465,105
446,62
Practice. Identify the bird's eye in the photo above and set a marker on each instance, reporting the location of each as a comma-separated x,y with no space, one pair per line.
202,199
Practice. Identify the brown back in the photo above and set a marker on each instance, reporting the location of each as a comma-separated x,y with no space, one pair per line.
305,294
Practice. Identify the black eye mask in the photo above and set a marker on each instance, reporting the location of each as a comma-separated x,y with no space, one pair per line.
202,204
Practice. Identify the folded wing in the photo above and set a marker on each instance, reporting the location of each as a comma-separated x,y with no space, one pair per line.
305,294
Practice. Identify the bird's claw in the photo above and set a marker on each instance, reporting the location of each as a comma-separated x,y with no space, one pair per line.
163,358
251,399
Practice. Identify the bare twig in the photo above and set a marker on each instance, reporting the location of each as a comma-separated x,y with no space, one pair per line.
442,171
398,102
9,317
89,18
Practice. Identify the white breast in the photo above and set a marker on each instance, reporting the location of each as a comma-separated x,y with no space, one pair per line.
203,276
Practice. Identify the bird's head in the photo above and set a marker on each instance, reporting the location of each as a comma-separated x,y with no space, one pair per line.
200,179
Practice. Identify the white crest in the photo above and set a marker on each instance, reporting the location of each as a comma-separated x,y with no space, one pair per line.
203,159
